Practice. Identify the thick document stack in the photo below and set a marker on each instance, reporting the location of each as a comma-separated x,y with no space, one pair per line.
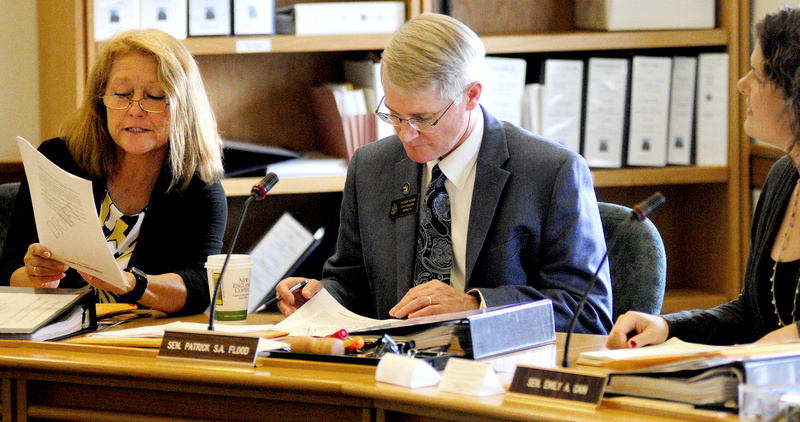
45,314
481,334
697,374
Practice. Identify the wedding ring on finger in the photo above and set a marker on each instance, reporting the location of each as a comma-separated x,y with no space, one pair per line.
35,268
430,302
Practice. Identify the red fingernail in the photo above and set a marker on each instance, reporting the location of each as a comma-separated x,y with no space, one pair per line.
633,344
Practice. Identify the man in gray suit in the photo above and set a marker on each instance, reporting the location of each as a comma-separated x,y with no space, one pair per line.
519,219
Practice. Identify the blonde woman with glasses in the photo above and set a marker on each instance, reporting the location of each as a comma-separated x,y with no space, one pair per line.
147,139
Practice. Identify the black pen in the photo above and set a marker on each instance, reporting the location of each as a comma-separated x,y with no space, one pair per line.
275,299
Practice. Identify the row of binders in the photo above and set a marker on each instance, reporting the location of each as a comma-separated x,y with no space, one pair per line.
192,18
639,111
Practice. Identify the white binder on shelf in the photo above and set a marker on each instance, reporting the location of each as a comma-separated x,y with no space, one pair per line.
711,136
532,108
649,111
562,101
606,103
253,17
112,16
503,87
681,113
209,17
332,18
170,16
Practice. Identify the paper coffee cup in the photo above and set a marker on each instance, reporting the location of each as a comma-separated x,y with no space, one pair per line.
235,290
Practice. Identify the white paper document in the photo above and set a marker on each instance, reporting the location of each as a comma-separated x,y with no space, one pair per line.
322,316
673,346
406,371
66,217
462,376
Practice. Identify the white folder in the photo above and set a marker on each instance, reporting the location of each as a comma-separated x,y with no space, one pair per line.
606,100
503,87
209,17
681,113
532,108
170,16
562,101
112,16
649,111
711,136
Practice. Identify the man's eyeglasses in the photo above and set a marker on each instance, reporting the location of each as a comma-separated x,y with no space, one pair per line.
122,102
422,125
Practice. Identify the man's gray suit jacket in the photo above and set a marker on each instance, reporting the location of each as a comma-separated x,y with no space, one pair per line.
534,229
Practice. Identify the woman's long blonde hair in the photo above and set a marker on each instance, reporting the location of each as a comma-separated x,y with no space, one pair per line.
195,146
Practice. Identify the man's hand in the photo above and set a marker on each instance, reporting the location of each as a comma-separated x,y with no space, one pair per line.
433,298
291,302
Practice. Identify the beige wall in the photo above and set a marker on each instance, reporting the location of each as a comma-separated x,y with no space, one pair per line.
762,7
19,76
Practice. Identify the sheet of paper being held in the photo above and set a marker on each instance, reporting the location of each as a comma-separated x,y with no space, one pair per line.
66,217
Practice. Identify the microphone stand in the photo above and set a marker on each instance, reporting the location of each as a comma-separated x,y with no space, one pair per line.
640,212
258,193
579,309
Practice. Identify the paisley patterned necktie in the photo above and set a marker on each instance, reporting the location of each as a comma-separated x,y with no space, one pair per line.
434,243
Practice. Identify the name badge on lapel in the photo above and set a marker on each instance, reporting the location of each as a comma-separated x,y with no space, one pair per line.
404,206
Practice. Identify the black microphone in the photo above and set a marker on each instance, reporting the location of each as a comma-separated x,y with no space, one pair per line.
640,212
258,193
261,188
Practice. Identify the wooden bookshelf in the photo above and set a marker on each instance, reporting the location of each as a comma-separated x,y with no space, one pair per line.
263,97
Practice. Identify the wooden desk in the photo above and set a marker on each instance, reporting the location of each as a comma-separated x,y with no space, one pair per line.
58,381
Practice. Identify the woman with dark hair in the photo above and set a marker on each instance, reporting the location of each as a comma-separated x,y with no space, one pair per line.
147,139
766,310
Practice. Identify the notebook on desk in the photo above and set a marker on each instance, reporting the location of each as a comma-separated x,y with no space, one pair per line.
483,333
45,314
697,374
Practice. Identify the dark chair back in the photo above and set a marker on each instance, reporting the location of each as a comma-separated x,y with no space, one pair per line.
8,199
638,262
